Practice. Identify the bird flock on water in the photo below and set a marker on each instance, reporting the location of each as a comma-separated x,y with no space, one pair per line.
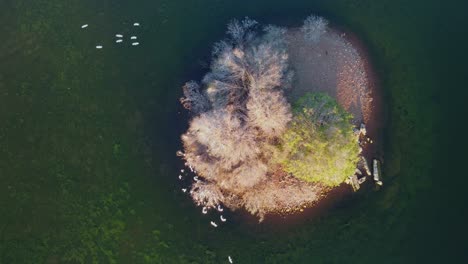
214,223
119,37
205,209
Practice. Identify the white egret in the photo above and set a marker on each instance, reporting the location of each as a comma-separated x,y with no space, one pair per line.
195,178
184,189
119,40
230,259
213,224
182,170
204,210
222,218
98,47
84,26
135,44
133,37
180,177
119,35
220,209
136,24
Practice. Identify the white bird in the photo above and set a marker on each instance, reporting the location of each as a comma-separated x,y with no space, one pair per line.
220,209
119,35
182,170
133,37
195,178
222,218
119,40
213,224
98,47
84,26
180,177
135,43
184,189
204,210
136,24
230,259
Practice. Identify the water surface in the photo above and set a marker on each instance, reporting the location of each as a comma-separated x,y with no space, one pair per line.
88,137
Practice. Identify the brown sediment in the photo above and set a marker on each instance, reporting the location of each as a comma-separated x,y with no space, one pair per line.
339,65
281,220
374,117
335,65
281,194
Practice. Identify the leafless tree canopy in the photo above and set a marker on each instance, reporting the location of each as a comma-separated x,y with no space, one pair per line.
314,27
194,100
239,110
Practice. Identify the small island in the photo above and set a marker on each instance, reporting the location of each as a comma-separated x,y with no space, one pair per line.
281,118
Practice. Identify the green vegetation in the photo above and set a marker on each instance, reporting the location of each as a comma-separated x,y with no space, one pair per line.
50,137
320,145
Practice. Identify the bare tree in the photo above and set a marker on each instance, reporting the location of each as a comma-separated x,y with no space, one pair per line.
206,194
242,31
238,68
314,27
193,99
241,112
224,137
268,111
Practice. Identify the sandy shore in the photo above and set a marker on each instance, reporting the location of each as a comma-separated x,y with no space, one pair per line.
332,65
339,65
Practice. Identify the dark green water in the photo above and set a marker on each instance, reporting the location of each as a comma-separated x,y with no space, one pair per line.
88,137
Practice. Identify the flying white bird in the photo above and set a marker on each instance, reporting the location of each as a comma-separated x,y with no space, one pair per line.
213,224
222,218
119,40
98,47
84,26
119,35
133,37
230,259
184,189
136,24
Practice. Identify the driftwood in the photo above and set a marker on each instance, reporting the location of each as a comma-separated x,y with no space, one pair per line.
363,163
377,172
362,180
362,129
353,180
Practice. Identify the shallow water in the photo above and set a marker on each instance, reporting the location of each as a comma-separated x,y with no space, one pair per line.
88,137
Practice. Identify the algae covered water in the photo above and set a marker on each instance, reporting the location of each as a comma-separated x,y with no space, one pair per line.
88,172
